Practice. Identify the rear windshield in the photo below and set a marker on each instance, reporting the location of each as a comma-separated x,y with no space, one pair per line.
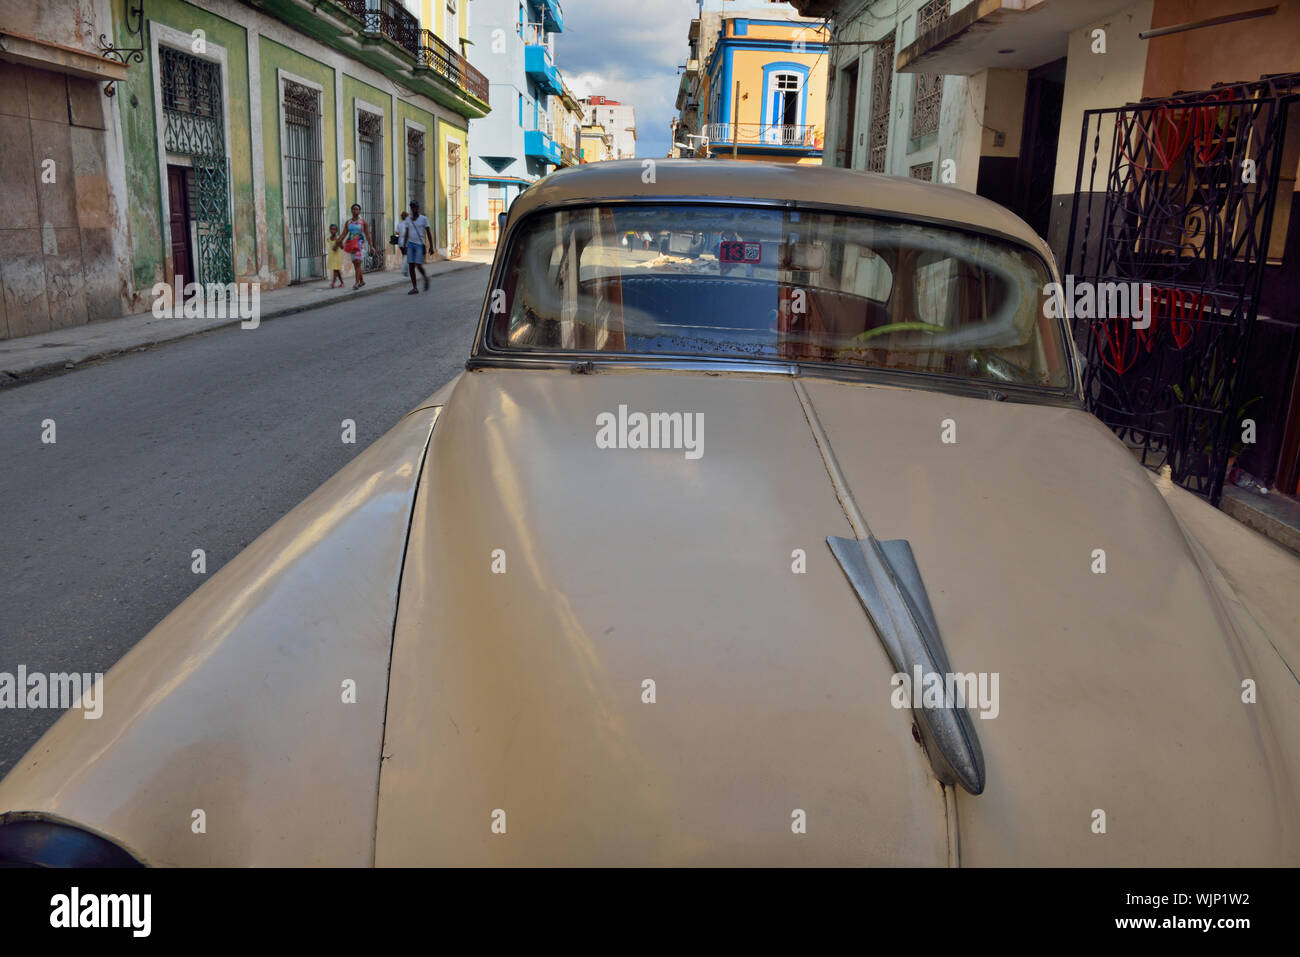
777,284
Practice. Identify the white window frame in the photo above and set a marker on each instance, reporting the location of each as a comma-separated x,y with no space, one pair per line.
281,76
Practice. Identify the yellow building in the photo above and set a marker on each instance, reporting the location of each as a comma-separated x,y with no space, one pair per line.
763,90
597,144
447,22
566,120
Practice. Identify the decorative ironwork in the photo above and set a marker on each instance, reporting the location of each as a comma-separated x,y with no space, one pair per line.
1177,210
931,15
210,202
929,86
923,171
415,168
134,23
882,84
370,185
192,106
304,187
455,218
926,103
193,126
389,19
386,18
434,54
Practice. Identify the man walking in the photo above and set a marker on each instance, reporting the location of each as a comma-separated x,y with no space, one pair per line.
417,231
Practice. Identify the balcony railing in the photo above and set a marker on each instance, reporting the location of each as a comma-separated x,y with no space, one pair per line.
751,134
389,19
532,33
436,55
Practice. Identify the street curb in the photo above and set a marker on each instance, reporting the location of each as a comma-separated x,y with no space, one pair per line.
58,366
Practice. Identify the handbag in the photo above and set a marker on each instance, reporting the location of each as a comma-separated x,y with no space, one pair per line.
393,241
351,244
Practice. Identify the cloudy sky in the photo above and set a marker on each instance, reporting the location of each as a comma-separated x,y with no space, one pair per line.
628,50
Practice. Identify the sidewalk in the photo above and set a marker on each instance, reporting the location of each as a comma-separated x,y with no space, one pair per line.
50,352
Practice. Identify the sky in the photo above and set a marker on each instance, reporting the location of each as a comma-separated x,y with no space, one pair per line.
628,50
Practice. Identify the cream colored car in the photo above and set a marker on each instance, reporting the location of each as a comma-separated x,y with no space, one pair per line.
786,540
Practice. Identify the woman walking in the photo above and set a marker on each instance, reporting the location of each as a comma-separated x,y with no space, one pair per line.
358,238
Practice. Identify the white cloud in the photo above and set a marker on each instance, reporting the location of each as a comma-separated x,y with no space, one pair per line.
628,50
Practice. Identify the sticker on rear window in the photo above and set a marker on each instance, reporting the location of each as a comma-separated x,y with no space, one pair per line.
732,251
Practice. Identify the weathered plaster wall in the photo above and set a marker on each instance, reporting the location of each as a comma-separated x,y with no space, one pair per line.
57,266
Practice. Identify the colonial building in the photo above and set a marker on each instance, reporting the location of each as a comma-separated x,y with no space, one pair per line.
518,142
566,118
615,118
597,143
215,142
754,86
1154,142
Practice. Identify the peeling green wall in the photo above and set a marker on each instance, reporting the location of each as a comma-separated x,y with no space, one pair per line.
135,104
273,58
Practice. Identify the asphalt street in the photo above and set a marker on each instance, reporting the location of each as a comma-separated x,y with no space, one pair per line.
200,443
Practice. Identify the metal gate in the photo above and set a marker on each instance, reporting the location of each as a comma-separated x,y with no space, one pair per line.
454,220
1184,204
415,169
304,186
882,81
370,185
193,126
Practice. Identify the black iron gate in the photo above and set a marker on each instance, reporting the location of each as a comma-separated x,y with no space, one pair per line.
1184,206
194,126
304,187
370,185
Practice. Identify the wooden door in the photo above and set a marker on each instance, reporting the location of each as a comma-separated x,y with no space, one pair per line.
178,198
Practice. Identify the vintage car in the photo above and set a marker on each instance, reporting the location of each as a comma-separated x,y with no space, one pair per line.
789,541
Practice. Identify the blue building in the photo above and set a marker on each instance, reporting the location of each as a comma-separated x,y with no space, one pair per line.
517,142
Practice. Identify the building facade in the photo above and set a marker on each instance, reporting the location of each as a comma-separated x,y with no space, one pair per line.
754,86
215,142
249,129
614,118
62,218
517,143
566,118
1154,142
597,143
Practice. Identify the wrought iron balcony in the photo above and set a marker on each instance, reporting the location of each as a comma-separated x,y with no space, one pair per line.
387,18
390,20
436,55
752,134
